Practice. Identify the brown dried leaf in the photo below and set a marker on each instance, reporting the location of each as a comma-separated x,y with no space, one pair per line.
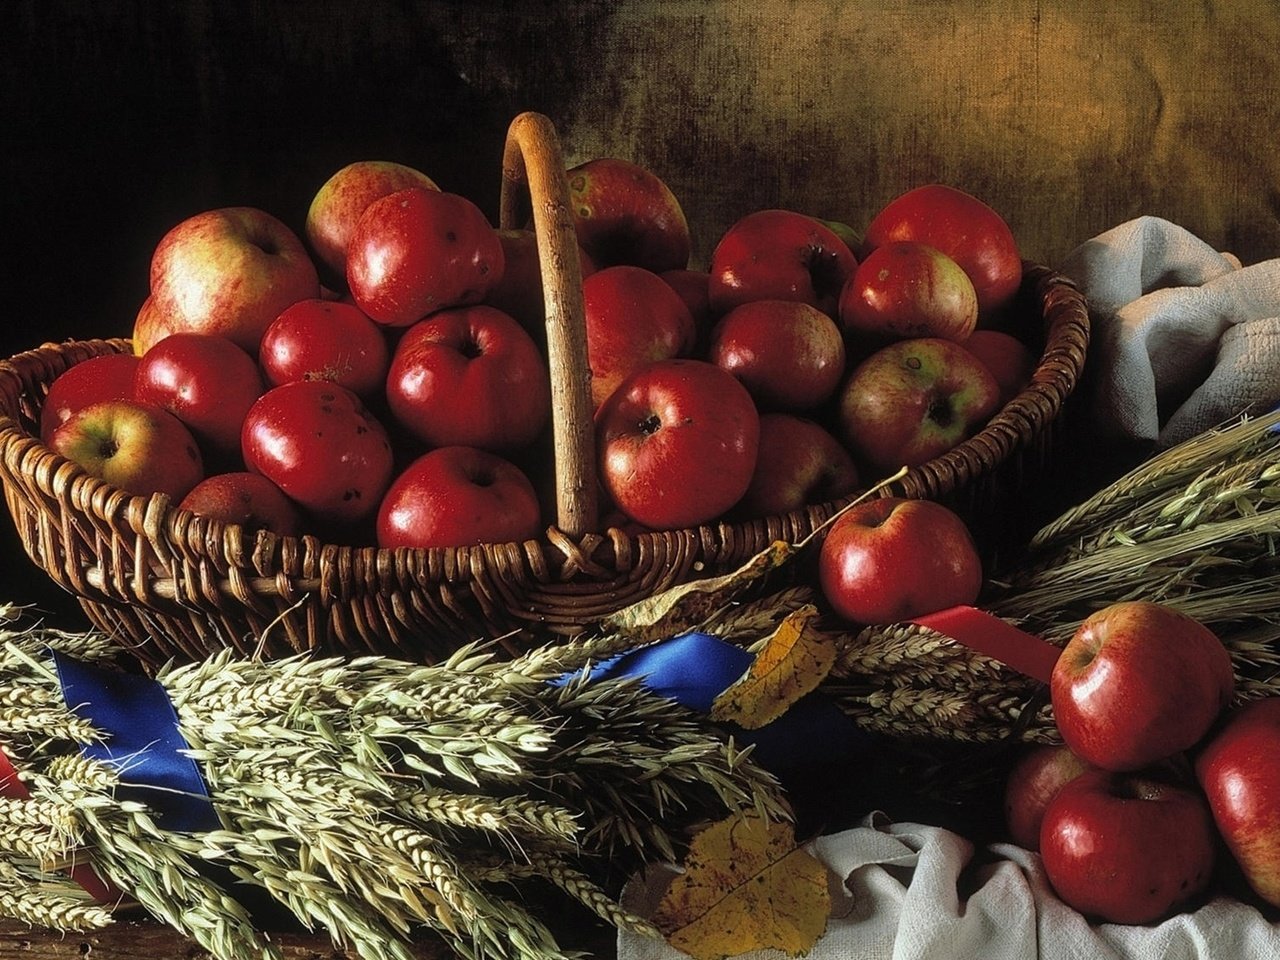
794,660
685,606
746,886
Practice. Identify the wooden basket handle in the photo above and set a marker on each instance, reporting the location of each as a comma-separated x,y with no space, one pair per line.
532,159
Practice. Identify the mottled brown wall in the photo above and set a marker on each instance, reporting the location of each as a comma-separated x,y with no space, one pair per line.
1067,117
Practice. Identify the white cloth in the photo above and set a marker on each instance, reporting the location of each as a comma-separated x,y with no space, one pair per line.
1185,339
903,900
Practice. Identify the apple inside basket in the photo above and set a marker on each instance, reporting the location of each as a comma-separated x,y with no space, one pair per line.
172,583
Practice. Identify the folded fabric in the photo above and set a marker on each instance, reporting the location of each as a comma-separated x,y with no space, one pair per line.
915,892
1185,339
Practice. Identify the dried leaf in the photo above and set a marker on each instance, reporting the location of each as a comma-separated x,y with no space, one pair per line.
685,606
746,886
794,660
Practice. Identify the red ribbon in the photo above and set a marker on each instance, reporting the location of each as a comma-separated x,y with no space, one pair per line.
82,873
995,638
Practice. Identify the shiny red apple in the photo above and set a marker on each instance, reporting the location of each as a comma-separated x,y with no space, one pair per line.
779,255
964,228
789,355
1129,849
1139,682
677,443
325,340
457,496
1033,781
908,289
469,376
626,214
888,559
417,251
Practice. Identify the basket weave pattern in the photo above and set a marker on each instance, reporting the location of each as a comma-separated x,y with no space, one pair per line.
170,584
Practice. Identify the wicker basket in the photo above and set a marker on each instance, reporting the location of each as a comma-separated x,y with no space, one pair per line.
170,584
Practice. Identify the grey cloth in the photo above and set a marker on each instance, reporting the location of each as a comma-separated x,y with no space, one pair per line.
1185,339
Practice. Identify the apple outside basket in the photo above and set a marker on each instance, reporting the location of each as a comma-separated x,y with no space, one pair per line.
171,585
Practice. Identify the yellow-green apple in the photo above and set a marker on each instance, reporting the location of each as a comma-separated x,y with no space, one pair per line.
519,292
229,272
316,441
417,251
845,232
1127,848
908,289
1238,769
105,377
150,327
337,205
789,355
1139,682
1010,360
913,400
964,228
470,376
1034,779
890,559
625,213
799,463
326,340
134,446
456,496
206,381
779,255
633,317
677,443
247,499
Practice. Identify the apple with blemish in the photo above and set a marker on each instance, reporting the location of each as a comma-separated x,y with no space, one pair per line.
326,340
908,289
247,499
626,214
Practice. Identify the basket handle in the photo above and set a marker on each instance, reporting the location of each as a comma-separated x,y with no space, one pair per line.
532,159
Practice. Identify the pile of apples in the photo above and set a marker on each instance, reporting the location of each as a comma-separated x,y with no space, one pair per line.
382,376
1156,772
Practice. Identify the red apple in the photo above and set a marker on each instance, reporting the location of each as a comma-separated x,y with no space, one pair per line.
325,340
633,318
247,499
964,228
229,272
913,400
1033,781
417,251
779,255
886,560
677,443
470,376
908,289
134,446
317,443
206,381
694,288
799,463
626,214
790,356
337,205
1127,849
1010,360
519,292
1138,682
106,377
1239,771
456,496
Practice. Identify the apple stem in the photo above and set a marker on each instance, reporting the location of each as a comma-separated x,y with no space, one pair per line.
874,489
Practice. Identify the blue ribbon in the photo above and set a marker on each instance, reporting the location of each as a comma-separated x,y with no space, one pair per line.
142,742
814,749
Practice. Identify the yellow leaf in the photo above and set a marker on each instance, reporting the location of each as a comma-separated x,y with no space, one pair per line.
794,660
746,886
683,607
